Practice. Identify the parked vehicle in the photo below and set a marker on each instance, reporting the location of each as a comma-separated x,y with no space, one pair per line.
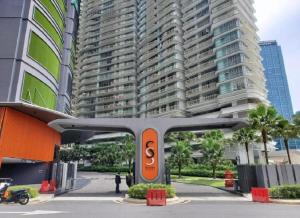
19,196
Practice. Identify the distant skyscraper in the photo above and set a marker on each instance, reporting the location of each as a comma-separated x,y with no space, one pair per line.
154,58
277,84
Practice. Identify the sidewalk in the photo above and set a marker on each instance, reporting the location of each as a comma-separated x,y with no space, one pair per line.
42,198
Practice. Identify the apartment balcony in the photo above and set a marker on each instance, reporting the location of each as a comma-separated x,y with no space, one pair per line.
202,100
200,68
221,7
199,58
197,48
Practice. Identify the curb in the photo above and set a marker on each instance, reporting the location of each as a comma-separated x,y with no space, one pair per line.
285,201
41,199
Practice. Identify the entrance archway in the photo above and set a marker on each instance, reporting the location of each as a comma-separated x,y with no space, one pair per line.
149,134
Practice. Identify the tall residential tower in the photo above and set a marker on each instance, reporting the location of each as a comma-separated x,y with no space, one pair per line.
178,58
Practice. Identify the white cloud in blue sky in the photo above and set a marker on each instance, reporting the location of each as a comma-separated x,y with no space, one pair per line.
280,20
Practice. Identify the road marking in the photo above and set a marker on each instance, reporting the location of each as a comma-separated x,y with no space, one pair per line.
87,199
215,198
35,212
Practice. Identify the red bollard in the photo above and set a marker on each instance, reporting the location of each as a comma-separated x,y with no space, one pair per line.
52,187
44,187
156,197
260,195
229,179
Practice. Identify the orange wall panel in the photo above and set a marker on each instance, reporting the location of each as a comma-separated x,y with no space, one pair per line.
26,137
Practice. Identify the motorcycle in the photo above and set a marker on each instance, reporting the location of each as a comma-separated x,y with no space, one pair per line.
19,196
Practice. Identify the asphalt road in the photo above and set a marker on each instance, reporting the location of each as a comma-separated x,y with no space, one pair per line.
101,187
109,209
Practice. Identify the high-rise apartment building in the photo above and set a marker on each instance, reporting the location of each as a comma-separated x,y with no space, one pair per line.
178,58
37,48
277,84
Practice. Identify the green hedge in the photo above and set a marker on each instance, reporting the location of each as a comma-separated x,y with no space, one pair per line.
139,191
33,192
199,173
104,169
285,192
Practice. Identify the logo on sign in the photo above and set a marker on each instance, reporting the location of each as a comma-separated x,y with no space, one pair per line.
150,154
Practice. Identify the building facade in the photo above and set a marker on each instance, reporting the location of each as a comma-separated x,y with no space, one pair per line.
168,58
277,84
37,50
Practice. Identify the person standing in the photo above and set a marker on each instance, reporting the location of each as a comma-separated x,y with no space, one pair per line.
118,182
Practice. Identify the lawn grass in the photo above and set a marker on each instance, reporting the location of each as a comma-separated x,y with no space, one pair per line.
199,181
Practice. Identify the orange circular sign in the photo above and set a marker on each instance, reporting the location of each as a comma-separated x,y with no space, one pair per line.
150,154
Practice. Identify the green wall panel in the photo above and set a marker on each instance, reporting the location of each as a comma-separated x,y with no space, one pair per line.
43,21
44,55
48,4
37,92
62,5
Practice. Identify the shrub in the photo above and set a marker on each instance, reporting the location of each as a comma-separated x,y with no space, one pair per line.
105,169
200,173
139,191
285,192
33,192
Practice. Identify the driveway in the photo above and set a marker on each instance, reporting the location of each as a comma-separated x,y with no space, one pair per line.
93,184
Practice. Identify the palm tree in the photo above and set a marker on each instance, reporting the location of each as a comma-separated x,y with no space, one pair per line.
296,119
129,150
213,148
245,136
264,119
286,131
181,155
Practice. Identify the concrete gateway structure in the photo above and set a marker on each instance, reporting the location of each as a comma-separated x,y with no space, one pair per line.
149,135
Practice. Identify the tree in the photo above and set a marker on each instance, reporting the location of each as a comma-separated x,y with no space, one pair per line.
181,151
296,119
286,131
264,119
245,136
128,150
213,148
106,154
75,153
180,155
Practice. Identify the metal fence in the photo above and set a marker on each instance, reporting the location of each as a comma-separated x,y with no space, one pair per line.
267,176
65,176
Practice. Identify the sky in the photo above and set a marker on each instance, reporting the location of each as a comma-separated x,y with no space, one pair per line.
280,20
